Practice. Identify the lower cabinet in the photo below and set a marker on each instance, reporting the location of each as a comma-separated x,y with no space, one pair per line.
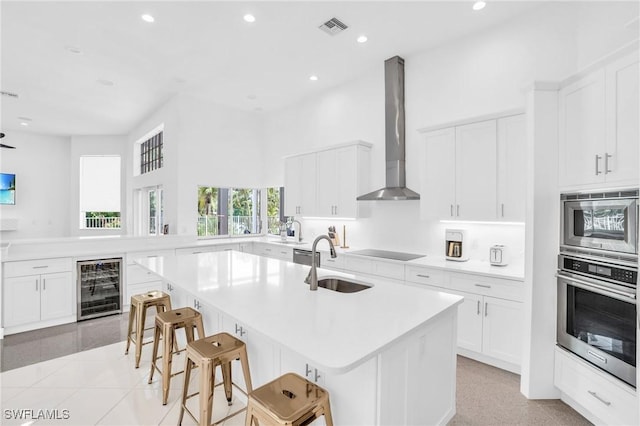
599,397
32,301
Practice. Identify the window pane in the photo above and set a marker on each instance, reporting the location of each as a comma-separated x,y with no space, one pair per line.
99,191
228,211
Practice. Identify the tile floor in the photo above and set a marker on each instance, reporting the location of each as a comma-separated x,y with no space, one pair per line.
84,378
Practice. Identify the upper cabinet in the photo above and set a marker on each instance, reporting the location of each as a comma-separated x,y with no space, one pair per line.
598,127
475,171
326,183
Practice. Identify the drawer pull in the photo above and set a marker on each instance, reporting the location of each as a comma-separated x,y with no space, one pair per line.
599,398
423,276
41,267
597,356
482,285
486,305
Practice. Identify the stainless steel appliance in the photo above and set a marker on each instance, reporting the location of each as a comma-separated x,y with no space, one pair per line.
303,257
604,223
99,287
597,312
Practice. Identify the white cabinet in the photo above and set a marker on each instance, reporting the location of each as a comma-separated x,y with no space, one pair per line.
300,184
460,173
138,280
208,249
37,294
275,251
599,396
512,138
261,352
370,266
598,127
340,174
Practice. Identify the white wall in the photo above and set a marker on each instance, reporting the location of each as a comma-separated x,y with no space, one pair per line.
41,164
94,145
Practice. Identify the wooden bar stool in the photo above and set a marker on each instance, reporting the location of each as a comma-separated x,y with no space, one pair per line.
166,325
206,354
288,400
138,315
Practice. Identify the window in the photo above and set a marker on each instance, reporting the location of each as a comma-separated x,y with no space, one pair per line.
275,210
151,156
228,211
149,211
100,192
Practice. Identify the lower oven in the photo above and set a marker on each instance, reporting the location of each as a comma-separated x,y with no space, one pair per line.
597,313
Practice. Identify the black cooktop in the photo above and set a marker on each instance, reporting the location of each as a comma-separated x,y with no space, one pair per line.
395,255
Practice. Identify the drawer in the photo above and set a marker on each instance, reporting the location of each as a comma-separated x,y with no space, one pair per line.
422,275
358,264
327,262
137,254
608,399
488,286
388,270
137,274
37,267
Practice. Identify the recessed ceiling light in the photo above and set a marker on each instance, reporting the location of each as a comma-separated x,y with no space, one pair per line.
313,78
105,82
147,18
24,123
249,18
362,39
73,49
479,5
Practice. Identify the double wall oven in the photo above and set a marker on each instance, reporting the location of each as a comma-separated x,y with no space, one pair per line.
597,280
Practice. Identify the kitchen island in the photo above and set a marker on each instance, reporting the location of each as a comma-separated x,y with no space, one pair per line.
386,354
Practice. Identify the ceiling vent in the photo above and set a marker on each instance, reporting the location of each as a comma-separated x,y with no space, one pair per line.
333,26
10,94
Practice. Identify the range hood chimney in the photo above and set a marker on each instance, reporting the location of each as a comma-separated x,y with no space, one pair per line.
395,188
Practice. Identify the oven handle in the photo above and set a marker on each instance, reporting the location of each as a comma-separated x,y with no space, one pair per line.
600,289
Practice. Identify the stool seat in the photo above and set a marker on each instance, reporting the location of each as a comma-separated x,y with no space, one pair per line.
207,354
288,400
166,325
138,315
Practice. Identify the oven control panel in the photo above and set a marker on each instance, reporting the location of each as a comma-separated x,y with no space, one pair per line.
620,274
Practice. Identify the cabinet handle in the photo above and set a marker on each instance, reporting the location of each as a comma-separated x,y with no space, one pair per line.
267,249
502,209
486,305
316,375
606,162
307,370
41,267
478,308
457,209
422,276
482,285
598,158
37,285
44,284
336,213
599,398
451,209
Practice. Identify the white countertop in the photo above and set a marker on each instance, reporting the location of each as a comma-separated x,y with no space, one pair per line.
335,331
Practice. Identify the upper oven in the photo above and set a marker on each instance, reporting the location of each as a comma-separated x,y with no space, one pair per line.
601,222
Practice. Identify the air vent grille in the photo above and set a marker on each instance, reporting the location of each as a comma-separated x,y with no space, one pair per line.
333,26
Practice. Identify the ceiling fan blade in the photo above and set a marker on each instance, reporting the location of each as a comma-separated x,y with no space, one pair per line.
7,146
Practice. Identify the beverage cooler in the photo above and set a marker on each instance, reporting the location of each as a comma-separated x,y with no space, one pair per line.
99,288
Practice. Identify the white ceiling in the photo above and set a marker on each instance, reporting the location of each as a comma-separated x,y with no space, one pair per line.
203,48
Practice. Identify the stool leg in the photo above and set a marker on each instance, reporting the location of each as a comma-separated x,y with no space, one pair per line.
140,333
154,355
226,380
200,327
248,421
207,376
132,316
244,361
185,390
166,361
328,419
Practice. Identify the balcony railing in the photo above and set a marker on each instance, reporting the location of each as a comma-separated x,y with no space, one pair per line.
209,225
102,222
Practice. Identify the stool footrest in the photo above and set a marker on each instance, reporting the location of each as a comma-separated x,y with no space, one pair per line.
222,420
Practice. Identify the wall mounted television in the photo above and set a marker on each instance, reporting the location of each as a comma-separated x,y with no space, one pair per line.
7,188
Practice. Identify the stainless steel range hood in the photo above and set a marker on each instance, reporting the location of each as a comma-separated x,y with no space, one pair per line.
395,188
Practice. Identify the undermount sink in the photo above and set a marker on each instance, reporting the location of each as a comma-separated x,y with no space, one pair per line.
342,286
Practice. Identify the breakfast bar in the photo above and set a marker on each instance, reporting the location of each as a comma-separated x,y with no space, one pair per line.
386,354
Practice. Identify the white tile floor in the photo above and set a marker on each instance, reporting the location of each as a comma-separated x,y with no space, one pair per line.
99,387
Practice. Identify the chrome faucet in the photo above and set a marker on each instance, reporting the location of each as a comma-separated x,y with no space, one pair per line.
312,277
299,229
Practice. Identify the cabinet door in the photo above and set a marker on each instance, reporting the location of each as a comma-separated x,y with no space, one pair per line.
512,139
346,164
438,176
582,131
56,296
623,129
469,321
300,185
502,329
21,300
476,162
327,183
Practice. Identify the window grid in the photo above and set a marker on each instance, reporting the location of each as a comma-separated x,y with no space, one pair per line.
151,154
